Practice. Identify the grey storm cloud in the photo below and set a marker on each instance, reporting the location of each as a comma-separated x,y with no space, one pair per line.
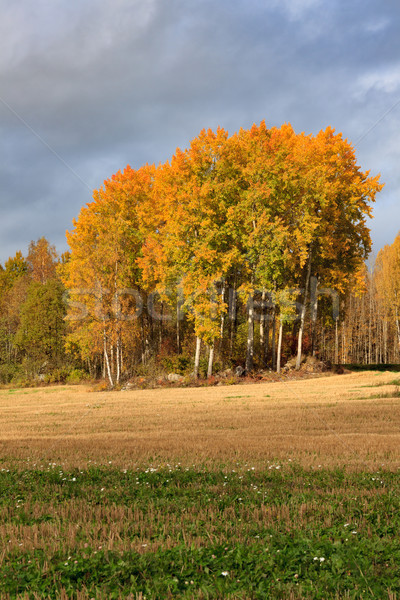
88,87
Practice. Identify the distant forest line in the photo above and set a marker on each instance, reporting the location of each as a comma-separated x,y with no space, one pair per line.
246,250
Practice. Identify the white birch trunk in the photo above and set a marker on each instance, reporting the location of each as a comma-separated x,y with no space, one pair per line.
279,352
210,361
250,335
398,329
232,317
273,341
118,361
262,326
221,332
197,358
106,360
178,332
336,342
303,316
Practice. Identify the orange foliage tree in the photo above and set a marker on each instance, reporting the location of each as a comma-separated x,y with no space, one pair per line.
262,212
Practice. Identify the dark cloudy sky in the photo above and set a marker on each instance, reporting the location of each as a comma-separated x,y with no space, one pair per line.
89,86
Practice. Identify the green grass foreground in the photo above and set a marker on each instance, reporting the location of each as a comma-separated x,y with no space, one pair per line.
173,532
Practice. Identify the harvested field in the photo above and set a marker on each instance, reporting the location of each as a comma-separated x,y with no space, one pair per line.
351,420
285,490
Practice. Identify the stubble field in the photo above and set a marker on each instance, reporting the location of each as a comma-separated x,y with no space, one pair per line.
275,490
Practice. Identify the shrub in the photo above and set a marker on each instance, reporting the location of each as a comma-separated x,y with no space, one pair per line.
57,375
101,386
76,376
178,363
8,372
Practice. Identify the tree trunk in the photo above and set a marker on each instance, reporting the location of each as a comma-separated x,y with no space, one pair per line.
178,332
232,317
314,313
210,361
262,328
197,358
160,329
370,327
273,341
344,349
143,339
336,342
267,332
303,314
118,360
398,329
222,327
250,335
385,341
107,362
279,352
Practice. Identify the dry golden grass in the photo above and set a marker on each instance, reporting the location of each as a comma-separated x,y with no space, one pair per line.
327,420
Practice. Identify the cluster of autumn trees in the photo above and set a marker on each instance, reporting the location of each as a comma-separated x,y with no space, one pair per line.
32,313
369,332
235,251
